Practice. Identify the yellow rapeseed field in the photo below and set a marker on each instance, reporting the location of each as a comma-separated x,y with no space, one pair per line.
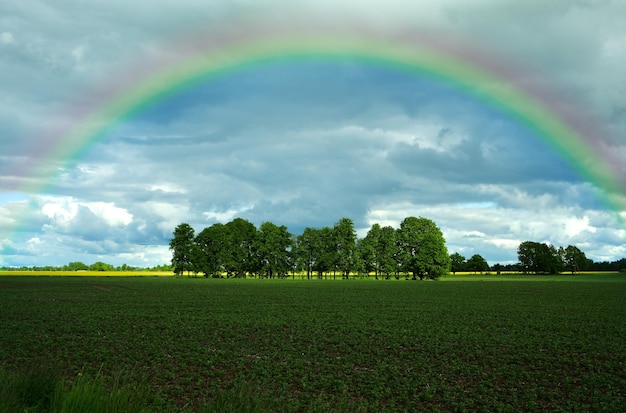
88,273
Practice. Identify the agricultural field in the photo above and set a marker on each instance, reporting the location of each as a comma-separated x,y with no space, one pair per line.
465,343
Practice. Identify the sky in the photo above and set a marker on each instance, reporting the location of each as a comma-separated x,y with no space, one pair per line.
302,142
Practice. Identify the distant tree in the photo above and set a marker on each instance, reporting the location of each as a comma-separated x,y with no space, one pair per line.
358,265
295,264
477,264
423,248
239,256
457,263
210,244
306,253
369,250
183,249
162,268
77,266
344,237
101,266
618,265
272,246
539,258
326,251
388,252
528,256
379,251
555,260
316,251
574,259
498,268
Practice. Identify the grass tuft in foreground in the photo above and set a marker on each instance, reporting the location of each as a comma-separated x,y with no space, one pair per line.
42,391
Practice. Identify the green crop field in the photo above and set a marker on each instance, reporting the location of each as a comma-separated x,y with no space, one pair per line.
510,343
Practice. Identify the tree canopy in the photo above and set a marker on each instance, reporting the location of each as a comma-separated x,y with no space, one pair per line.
477,264
423,251
183,247
239,249
417,249
542,258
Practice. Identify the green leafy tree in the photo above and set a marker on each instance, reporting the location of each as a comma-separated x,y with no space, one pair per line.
555,260
239,256
422,248
344,237
325,251
101,266
77,266
379,251
295,264
358,265
272,247
457,263
477,263
539,258
316,250
369,250
573,258
307,250
528,256
388,252
183,249
210,244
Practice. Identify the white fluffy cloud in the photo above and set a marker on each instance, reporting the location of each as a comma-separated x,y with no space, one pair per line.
63,211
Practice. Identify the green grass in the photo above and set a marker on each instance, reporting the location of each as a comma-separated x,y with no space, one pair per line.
43,391
484,343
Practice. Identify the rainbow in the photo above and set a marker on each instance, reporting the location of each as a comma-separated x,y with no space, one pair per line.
559,124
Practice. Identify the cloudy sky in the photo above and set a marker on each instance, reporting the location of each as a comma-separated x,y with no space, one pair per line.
301,142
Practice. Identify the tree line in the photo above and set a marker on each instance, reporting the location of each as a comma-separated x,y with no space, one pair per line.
533,257
238,249
96,266
416,249
542,258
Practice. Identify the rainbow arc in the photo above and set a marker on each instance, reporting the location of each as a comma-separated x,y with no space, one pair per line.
204,56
